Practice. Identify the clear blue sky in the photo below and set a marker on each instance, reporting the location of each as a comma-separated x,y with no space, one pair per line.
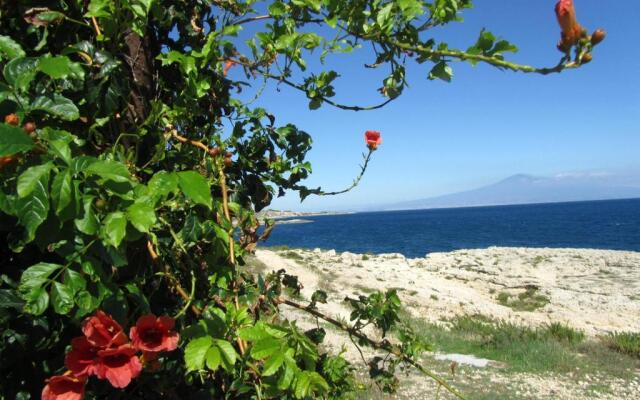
485,125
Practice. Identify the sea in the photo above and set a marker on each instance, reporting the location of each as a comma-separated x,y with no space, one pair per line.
608,224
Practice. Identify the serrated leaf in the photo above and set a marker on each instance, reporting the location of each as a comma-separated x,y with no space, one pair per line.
228,354
28,180
272,364
60,67
61,298
9,48
213,358
196,352
114,228
109,170
74,280
58,106
254,333
34,277
162,183
195,187
264,348
142,216
13,140
38,302
86,302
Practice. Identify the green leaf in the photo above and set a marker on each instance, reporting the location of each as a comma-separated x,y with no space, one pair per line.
89,223
195,187
302,385
38,302
114,228
264,348
13,140
34,277
109,170
9,48
86,302
272,364
61,298
60,67
19,72
213,358
10,299
61,150
441,71
33,209
28,180
74,280
162,183
58,106
228,354
196,352
62,191
142,216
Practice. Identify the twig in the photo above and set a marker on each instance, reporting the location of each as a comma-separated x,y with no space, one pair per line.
172,279
383,345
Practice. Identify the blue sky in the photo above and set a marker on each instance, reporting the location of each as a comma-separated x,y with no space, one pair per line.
486,124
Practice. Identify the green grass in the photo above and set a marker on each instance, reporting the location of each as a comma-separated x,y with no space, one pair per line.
552,348
624,342
529,300
292,255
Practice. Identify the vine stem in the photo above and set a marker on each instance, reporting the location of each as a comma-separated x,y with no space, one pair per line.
355,181
173,281
382,345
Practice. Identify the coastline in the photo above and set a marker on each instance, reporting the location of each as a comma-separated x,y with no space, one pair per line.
594,292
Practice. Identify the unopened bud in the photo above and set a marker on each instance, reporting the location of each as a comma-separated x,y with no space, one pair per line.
598,36
586,58
12,119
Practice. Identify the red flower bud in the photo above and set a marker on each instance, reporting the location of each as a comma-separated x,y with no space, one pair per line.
228,162
586,58
571,29
11,119
598,36
214,152
29,127
373,140
227,66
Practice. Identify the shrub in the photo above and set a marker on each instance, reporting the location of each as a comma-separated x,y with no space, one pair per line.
132,175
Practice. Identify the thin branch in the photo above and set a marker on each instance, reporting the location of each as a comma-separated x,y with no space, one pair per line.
173,281
382,345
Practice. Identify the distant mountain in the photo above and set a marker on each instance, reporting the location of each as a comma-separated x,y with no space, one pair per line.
524,189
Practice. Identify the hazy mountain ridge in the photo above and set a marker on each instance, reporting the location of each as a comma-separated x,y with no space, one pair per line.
524,189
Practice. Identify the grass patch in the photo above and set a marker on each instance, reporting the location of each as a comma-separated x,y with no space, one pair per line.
529,300
292,255
434,297
624,342
365,257
537,260
554,348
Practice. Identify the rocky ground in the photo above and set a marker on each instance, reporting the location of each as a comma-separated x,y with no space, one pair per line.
594,291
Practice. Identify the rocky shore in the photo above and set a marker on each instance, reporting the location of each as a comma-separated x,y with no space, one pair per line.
592,291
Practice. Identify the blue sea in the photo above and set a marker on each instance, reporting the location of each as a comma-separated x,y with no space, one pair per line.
610,224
